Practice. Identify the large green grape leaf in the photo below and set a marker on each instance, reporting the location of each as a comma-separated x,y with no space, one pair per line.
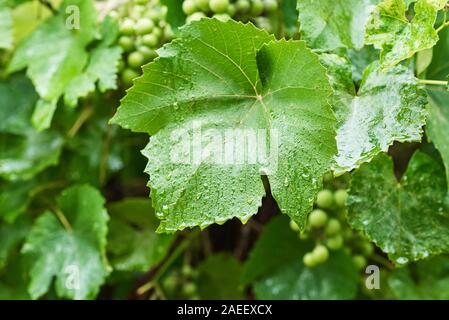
276,270
219,278
18,100
211,88
428,279
389,106
329,24
438,119
398,38
407,219
53,67
22,157
133,244
71,248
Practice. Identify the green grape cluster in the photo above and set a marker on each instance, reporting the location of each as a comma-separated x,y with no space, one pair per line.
327,226
256,11
181,284
143,29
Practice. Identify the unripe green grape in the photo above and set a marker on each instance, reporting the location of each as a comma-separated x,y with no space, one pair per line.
257,8
186,270
359,262
195,17
320,254
157,32
317,218
328,177
156,15
242,6
294,226
202,4
303,235
170,283
127,27
189,7
148,53
144,26
219,6
222,16
128,75
333,227
135,59
232,10
325,199
367,249
340,197
271,5
168,33
309,260
189,289
126,43
150,40
335,243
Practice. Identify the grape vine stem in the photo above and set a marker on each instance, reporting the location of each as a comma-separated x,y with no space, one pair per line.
433,82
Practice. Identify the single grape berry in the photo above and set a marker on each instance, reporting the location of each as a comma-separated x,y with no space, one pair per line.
232,10
359,262
136,59
317,218
126,43
195,17
333,227
309,260
150,40
320,254
189,7
242,6
128,76
294,226
325,199
144,26
367,249
186,270
257,8
335,243
170,283
189,289
127,27
219,6
202,4
340,197
148,53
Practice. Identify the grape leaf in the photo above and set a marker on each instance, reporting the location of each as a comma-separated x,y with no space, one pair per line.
71,249
389,30
360,60
427,280
327,25
218,77
22,157
438,119
133,244
18,100
52,67
219,278
409,219
389,106
275,268
175,15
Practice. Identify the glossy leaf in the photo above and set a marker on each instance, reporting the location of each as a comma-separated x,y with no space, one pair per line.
207,81
327,25
70,248
398,38
407,219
